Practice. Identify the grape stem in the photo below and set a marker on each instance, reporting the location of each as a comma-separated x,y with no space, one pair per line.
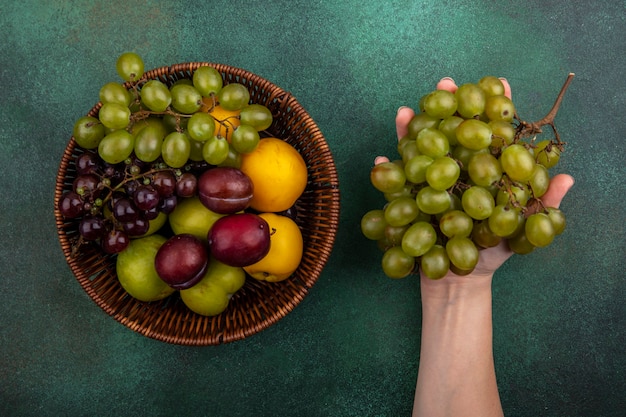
526,129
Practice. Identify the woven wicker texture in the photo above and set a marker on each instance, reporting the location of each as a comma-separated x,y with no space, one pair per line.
257,305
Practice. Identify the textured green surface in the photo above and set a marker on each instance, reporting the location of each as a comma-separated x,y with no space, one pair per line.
351,348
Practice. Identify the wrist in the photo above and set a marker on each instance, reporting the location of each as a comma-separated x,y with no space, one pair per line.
453,289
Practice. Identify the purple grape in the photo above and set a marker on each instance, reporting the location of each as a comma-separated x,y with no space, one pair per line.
137,227
168,204
131,186
115,241
146,197
91,228
124,210
87,163
165,183
187,185
87,185
70,205
152,214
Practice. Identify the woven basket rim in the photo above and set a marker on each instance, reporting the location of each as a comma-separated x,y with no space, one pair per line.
166,320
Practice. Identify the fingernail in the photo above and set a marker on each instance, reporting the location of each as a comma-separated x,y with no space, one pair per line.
503,79
400,108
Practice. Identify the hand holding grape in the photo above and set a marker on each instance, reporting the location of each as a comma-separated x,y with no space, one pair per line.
482,193
456,368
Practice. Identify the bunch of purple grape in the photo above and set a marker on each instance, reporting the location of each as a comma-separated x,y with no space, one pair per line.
116,202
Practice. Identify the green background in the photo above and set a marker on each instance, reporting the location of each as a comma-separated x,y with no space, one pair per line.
351,348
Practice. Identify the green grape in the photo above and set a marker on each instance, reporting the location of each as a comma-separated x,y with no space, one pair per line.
539,230
394,234
478,202
148,143
557,217
463,155
257,116
492,86
396,264
517,163
471,101
435,263
456,223
401,211
114,93
448,127
504,220
185,98
373,224
515,195
234,96
431,201
433,143
499,108
215,150
88,132
421,121
387,177
418,239
174,123
176,149
539,181
195,150
207,80
233,158
156,96
462,253
484,169
483,236
116,146
502,133
245,139
440,104
474,134
409,151
520,244
406,191
416,167
405,140
114,115
547,153
129,66
443,173
201,126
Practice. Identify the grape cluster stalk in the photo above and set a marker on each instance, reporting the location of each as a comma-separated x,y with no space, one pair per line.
470,174
149,144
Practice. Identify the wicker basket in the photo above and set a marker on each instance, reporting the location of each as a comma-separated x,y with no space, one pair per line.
257,305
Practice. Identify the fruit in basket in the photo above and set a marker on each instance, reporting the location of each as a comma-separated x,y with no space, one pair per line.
470,174
181,261
239,239
225,190
285,253
136,271
212,294
192,217
162,152
278,173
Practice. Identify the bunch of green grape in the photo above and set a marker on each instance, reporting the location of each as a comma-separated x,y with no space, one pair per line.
198,119
467,177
